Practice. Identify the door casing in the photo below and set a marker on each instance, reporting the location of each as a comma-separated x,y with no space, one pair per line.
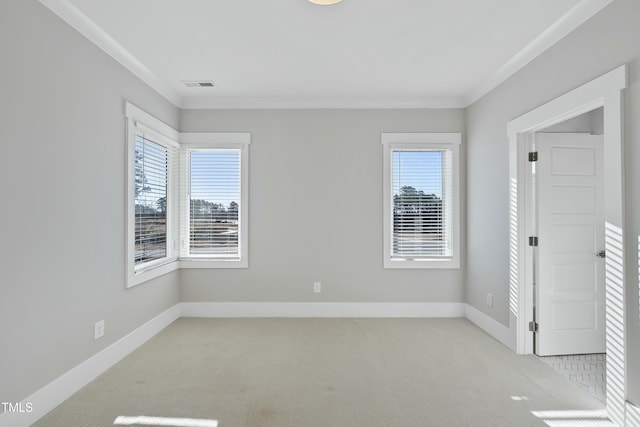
604,91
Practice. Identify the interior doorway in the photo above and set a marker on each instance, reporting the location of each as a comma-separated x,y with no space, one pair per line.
568,185
569,300
606,92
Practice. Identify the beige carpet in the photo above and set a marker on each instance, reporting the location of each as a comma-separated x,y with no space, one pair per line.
330,372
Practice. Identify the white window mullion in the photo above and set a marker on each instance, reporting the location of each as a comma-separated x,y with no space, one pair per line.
173,185
184,194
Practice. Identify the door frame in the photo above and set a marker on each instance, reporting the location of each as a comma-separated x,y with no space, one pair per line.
604,91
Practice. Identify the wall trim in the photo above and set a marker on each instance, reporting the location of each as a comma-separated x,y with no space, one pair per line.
491,326
604,91
60,389
571,20
78,20
321,309
364,102
73,16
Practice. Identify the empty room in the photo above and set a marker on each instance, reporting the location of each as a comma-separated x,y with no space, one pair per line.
320,213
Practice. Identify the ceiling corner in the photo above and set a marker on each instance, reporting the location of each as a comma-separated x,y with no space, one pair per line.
571,20
73,16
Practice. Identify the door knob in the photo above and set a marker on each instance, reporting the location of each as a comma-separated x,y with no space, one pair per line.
601,254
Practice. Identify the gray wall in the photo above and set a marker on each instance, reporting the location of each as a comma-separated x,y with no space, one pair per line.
62,173
590,122
315,193
606,41
316,208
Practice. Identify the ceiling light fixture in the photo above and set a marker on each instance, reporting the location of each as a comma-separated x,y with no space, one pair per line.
325,2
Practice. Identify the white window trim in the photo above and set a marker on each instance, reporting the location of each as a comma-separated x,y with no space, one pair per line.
216,140
141,123
391,141
147,126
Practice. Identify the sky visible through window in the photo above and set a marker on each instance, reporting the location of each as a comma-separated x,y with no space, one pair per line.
421,170
215,176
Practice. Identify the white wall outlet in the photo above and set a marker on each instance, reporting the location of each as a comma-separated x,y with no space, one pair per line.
317,287
98,330
489,300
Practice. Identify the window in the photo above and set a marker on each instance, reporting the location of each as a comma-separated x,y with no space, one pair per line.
190,188
214,201
421,200
150,190
152,214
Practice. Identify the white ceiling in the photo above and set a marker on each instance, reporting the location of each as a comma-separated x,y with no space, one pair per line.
291,53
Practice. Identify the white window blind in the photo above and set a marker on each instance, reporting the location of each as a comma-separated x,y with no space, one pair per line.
421,200
421,203
150,197
215,203
187,198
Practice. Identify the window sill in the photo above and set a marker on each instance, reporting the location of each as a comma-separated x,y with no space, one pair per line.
213,263
151,273
423,264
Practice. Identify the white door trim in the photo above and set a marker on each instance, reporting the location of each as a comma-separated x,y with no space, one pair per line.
604,91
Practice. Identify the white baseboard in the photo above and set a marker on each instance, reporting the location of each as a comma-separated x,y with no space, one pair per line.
56,392
320,309
494,328
365,310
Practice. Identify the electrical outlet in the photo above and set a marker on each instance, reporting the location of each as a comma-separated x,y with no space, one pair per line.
98,330
317,287
489,300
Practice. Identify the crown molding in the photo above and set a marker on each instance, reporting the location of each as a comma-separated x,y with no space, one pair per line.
571,20
312,102
88,28
73,16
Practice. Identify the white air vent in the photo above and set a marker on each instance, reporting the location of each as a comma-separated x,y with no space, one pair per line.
198,83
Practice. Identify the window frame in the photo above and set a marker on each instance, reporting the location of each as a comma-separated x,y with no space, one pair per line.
139,123
420,141
214,141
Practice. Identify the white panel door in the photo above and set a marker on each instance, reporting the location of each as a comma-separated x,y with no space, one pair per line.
570,309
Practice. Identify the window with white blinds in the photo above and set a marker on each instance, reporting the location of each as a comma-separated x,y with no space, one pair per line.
421,203
421,200
214,203
187,198
150,196
214,194
152,226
